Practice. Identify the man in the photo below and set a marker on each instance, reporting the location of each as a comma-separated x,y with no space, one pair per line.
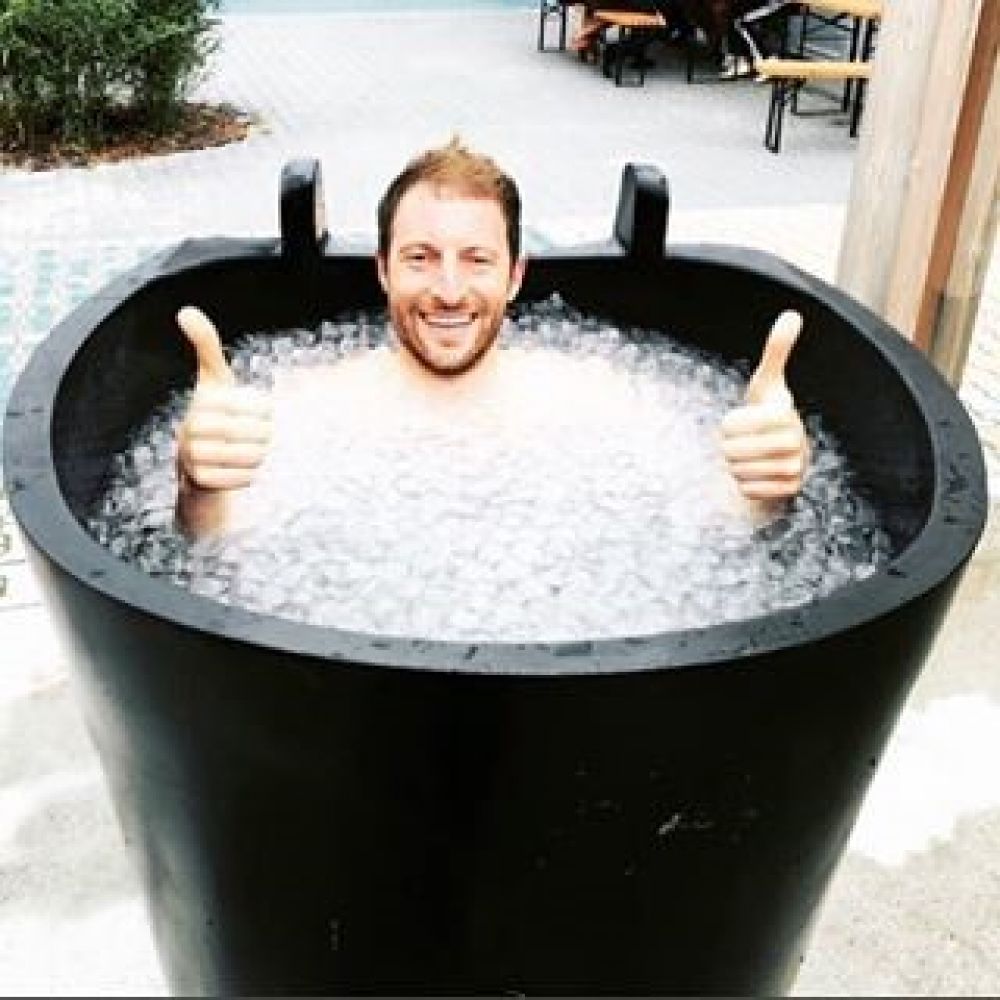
449,261
729,29
753,23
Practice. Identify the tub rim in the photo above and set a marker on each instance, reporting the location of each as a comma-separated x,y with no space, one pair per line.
944,543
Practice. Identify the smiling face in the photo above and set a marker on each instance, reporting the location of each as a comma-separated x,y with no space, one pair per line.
448,276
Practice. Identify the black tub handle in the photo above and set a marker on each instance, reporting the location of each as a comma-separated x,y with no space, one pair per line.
303,211
641,218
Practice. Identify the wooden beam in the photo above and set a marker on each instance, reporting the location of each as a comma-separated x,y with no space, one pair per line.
908,136
967,226
948,71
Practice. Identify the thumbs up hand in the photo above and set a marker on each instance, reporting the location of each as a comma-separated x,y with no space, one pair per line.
763,441
225,433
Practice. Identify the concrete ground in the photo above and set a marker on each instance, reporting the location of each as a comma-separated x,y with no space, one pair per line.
914,908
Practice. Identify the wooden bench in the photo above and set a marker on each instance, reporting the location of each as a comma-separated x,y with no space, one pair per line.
636,30
813,69
858,19
629,19
788,75
867,9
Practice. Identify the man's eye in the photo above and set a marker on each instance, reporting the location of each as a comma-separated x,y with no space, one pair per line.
415,257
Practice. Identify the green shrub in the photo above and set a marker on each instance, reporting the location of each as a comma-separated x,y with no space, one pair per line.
70,68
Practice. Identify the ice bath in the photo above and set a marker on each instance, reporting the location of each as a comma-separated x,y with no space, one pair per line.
327,810
580,494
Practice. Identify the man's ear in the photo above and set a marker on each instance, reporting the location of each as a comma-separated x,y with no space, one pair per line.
383,273
516,277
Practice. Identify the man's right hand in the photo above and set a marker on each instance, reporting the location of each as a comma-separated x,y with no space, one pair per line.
225,434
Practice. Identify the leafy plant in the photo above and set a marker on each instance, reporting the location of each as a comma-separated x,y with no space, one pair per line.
70,69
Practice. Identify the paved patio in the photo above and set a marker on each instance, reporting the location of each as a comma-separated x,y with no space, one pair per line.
914,908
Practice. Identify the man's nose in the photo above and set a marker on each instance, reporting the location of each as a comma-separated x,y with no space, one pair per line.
449,285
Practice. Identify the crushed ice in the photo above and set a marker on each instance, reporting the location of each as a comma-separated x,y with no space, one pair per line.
563,517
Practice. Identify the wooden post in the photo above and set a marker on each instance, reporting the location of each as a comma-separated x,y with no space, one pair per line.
921,193
968,223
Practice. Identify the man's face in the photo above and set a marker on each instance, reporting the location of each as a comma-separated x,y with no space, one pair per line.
448,277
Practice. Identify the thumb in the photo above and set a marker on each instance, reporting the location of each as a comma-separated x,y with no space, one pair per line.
204,338
767,385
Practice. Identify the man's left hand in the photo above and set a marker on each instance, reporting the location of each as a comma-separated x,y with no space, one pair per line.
764,441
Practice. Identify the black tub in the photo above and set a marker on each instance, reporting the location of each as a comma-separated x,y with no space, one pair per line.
327,812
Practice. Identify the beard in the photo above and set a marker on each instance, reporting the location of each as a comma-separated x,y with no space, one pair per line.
446,350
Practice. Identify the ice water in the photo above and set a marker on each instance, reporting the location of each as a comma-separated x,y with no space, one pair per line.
592,502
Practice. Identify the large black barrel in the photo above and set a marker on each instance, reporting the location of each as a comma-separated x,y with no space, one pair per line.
318,811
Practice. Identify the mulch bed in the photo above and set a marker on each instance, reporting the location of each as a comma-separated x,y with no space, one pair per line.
200,126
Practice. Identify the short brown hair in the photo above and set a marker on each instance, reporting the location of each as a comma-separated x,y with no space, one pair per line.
456,168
